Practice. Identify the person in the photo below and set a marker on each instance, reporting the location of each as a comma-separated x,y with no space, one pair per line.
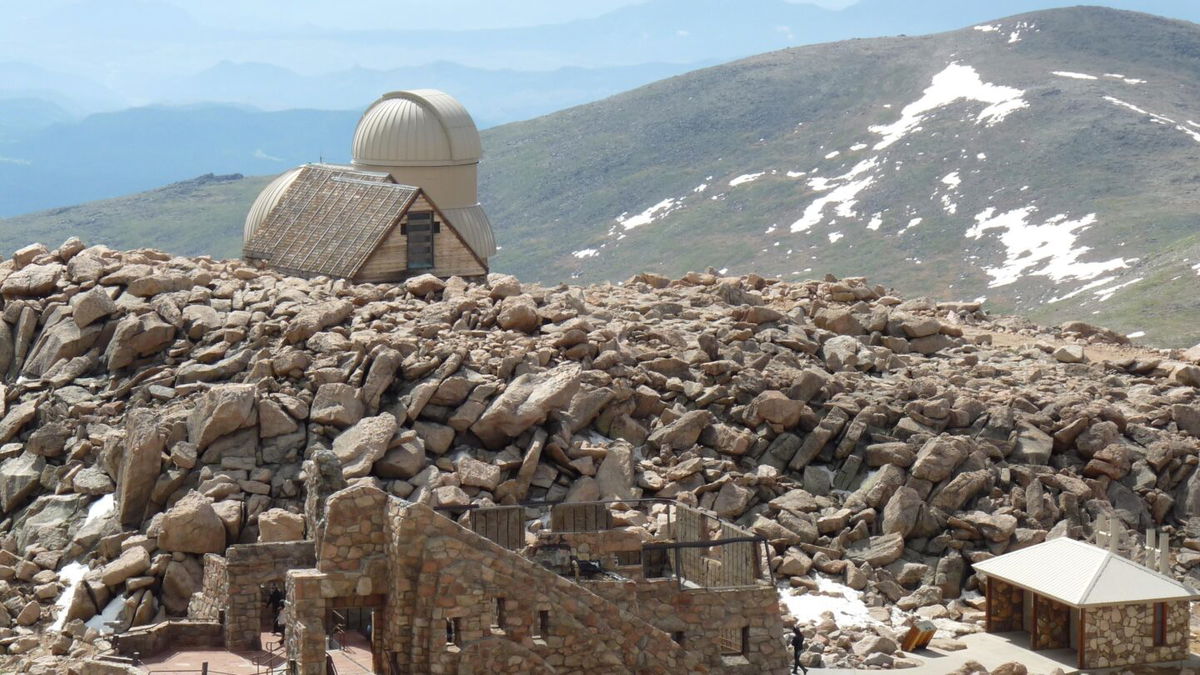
797,650
275,601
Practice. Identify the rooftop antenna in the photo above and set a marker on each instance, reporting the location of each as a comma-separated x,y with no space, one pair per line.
1157,552
1107,535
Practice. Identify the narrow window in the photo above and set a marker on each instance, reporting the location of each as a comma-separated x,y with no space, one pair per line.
734,641
1160,624
419,231
454,631
498,615
542,627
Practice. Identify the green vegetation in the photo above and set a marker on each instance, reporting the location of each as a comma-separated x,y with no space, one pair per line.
557,184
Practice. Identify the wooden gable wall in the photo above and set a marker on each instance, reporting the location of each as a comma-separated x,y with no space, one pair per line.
451,255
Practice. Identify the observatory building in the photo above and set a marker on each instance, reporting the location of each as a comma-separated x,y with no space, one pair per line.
408,203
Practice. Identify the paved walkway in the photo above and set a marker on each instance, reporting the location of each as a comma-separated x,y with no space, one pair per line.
993,649
220,662
988,649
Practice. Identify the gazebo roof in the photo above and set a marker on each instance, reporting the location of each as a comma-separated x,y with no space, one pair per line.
1083,575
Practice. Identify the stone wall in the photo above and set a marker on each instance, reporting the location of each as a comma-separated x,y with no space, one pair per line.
213,596
1005,606
249,567
1053,624
456,576
169,635
701,618
1122,635
508,614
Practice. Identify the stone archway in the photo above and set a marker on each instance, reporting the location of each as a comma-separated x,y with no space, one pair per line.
491,656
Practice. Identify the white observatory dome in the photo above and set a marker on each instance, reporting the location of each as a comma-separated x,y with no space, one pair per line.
422,127
266,201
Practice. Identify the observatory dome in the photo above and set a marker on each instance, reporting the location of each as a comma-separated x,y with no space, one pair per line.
267,199
422,127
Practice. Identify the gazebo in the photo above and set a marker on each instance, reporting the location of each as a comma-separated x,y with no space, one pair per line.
1068,594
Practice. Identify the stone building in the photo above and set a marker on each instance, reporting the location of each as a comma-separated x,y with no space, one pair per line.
1068,594
487,596
408,204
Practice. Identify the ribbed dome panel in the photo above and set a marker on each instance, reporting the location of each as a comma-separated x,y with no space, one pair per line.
423,127
266,201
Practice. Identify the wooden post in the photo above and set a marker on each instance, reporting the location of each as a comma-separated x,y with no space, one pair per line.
204,668
1033,613
1079,640
989,598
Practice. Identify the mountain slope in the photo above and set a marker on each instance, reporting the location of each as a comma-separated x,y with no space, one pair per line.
200,216
1053,195
1046,162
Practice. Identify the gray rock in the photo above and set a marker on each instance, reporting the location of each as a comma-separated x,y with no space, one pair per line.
360,446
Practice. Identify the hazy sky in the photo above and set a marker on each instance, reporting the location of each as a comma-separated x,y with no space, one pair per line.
412,13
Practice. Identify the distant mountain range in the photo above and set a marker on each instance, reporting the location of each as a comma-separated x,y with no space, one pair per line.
1045,162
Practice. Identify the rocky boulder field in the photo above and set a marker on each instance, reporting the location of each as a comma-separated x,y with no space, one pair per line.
158,408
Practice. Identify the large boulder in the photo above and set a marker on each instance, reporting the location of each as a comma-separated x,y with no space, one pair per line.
280,525
902,510
19,477
140,465
528,400
360,446
519,312
405,459
937,459
615,477
315,318
32,280
683,432
192,526
222,410
337,404
877,551
132,562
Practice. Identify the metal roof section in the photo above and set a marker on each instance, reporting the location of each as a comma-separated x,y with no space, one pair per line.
476,230
421,127
266,201
329,220
1083,575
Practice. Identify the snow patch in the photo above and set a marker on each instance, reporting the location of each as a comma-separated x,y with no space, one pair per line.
70,575
987,28
770,229
952,180
833,154
105,620
957,82
649,215
1102,281
700,188
1136,334
99,509
1104,294
746,178
834,236
876,221
1047,250
911,224
1160,119
858,146
1126,80
585,253
1074,76
844,196
795,174
844,602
